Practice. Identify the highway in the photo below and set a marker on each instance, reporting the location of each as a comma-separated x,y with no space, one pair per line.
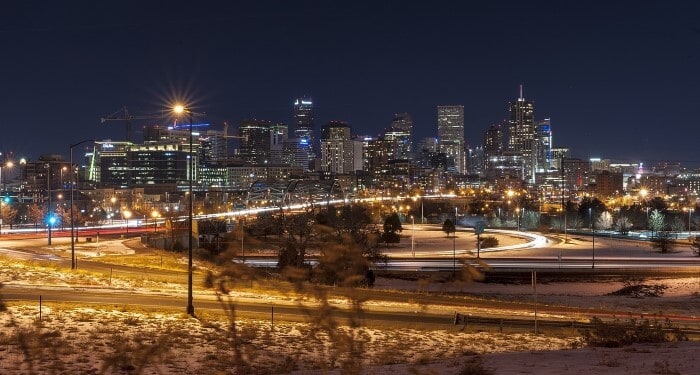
527,263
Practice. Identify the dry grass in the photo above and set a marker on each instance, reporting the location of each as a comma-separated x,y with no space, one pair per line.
122,339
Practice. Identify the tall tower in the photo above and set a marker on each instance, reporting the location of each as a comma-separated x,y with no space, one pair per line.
402,133
451,134
543,145
521,129
493,144
304,124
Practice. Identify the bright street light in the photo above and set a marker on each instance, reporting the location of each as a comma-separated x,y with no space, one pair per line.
178,110
127,216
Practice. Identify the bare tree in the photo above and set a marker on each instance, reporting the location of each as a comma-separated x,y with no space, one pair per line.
604,221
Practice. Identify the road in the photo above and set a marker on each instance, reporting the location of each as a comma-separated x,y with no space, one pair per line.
538,256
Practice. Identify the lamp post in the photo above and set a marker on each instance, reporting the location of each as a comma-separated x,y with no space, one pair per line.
127,216
2,184
454,254
517,217
154,215
413,247
62,170
73,265
180,109
590,219
48,195
643,193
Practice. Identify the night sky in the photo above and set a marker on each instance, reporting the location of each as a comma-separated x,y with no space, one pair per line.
618,79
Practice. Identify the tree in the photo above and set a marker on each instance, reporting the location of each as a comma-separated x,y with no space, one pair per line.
594,204
662,242
299,230
35,214
448,227
9,214
622,225
657,221
658,204
531,220
677,224
392,226
605,221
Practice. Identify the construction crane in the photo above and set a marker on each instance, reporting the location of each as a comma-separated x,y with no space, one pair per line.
123,114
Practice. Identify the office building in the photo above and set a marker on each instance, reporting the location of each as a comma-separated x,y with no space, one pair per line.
521,129
255,146
451,134
304,124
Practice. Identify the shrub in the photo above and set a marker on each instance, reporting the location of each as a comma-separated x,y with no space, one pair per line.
475,367
489,241
616,334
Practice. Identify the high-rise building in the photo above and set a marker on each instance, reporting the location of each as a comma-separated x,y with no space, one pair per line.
493,145
304,123
542,146
402,133
295,153
521,129
278,134
451,134
213,147
255,144
337,148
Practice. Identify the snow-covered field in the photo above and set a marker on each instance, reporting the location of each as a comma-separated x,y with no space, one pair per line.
75,339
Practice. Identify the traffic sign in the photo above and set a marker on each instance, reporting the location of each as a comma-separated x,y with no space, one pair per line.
479,227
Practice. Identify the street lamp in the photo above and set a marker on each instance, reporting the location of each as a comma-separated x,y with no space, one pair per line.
643,193
154,215
454,254
2,184
590,219
50,219
413,247
62,170
72,221
180,109
517,217
127,216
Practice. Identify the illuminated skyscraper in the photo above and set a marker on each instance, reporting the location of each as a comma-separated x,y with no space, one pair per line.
521,129
451,134
543,145
304,123
401,133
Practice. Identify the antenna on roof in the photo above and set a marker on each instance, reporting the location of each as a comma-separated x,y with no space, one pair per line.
521,91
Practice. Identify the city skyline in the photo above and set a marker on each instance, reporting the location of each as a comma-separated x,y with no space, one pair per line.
608,76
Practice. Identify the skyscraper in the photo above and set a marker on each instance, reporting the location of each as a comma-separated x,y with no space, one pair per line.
493,145
255,146
451,134
543,145
278,134
521,129
402,133
336,148
304,124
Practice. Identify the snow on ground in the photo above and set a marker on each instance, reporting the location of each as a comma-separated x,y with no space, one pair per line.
77,339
